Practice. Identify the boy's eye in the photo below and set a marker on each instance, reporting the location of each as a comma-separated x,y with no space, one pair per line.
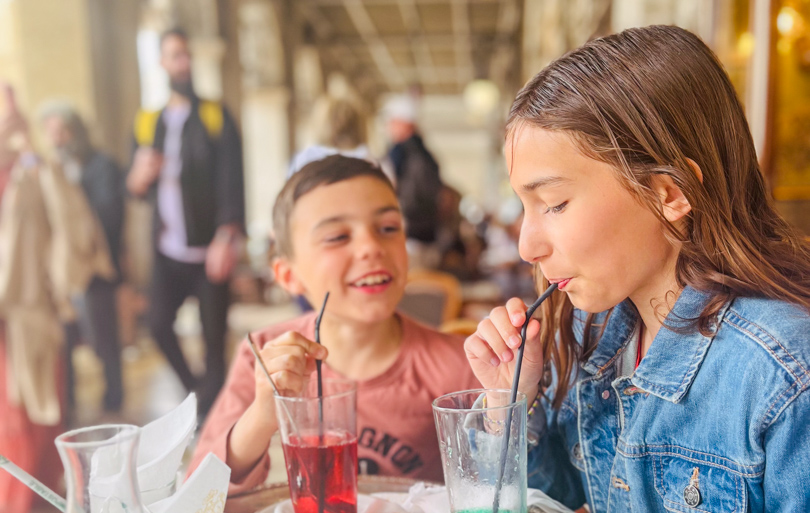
556,210
336,238
391,228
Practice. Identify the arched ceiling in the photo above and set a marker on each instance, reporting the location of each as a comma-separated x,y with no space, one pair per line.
439,45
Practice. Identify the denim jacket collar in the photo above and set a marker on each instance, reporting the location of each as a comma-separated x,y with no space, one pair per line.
670,365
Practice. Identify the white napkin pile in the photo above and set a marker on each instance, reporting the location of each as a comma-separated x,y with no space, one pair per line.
426,499
206,490
434,499
160,450
160,453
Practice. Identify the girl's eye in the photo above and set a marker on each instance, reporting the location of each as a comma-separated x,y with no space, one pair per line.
556,210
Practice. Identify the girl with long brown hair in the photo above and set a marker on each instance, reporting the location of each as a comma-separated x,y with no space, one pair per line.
670,369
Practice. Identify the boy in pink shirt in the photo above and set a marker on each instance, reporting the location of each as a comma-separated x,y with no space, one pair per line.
339,229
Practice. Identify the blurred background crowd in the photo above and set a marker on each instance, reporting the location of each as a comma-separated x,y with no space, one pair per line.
420,86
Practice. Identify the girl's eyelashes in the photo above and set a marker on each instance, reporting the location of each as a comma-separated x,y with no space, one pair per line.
556,210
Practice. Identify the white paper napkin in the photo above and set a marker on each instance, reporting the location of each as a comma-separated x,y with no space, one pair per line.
365,504
205,491
425,499
162,444
434,499
160,452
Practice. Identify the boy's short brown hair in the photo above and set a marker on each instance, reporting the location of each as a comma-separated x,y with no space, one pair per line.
328,171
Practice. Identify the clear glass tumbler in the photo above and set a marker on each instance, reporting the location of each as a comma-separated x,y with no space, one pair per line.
319,437
471,427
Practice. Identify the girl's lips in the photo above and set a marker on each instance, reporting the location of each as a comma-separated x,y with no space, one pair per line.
561,283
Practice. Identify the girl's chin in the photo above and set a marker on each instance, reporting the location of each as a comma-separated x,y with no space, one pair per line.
591,304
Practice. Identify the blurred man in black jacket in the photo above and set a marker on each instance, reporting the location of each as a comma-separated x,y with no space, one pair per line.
188,163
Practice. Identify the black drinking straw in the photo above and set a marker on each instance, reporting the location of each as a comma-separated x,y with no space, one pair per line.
515,379
318,364
321,441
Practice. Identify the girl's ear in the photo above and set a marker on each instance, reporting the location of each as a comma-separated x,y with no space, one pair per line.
673,201
696,169
286,276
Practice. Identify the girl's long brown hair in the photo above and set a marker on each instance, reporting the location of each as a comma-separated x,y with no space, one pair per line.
654,101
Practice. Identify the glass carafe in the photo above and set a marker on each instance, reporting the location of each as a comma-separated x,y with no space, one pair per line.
100,469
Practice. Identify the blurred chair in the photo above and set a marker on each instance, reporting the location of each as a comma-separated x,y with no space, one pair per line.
463,327
431,297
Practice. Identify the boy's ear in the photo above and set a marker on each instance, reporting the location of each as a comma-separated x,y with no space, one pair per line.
286,276
673,201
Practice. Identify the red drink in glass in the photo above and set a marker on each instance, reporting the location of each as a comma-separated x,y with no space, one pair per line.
322,472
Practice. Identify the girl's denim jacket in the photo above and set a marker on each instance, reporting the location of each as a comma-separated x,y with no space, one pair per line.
717,423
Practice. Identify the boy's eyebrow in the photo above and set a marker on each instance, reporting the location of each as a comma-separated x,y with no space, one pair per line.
385,210
337,219
546,181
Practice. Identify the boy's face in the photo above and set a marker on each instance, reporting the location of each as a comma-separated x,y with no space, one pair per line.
348,240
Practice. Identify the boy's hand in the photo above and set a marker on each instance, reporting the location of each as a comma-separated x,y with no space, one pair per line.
492,349
290,360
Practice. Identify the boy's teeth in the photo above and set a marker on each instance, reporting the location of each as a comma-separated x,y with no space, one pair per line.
371,280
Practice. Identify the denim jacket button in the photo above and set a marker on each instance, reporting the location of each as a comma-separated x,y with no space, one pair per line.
691,495
577,450
606,394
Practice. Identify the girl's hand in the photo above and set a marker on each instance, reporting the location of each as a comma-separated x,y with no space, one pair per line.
493,348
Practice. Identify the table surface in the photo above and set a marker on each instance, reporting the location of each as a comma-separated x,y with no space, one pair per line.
259,498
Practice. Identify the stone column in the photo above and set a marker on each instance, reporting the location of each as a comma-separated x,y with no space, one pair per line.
266,109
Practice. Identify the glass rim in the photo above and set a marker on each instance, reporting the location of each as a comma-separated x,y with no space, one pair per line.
521,398
339,395
125,432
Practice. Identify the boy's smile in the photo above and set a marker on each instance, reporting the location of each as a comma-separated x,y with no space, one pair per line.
373,282
348,239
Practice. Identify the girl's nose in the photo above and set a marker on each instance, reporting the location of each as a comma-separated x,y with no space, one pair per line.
533,244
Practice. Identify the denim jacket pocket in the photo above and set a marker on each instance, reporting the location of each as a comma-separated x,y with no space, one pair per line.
686,485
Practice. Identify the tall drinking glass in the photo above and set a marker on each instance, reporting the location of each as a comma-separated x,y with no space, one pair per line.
471,430
319,437
100,469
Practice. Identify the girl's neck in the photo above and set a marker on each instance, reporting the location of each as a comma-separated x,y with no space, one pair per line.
361,351
654,304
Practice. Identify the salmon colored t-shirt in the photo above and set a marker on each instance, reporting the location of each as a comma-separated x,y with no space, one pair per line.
396,435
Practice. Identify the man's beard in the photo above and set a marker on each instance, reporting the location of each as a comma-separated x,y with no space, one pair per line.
183,87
